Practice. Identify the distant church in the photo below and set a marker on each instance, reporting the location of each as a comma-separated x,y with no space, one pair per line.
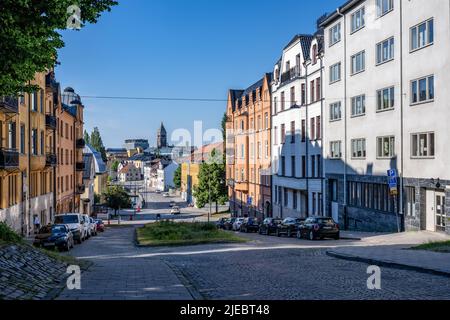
161,139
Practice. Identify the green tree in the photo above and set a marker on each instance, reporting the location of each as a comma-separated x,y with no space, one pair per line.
97,143
177,178
87,139
224,126
117,198
31,36
211,182
115,165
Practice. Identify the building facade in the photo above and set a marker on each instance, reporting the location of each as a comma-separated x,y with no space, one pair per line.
248,167
387,70
133,144
27,156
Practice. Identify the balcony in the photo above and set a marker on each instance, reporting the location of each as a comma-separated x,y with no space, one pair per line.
9,104
50,121
290,75
9,159
50,160
79,189
50,82
241,186
80,143
79,166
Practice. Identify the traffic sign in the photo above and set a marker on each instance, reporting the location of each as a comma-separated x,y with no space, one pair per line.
392,181
249,201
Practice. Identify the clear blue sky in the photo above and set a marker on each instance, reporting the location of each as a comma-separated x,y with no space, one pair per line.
176,49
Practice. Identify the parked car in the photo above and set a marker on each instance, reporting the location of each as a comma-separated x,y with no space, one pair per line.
220,224
319,228
87,226
76,224
289,227
237,224
175,210
166,195
172,203
228,224
55,236
93,226
100,225
250,225
269,226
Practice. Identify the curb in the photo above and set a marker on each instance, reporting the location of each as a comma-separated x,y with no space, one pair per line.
387,264
190,287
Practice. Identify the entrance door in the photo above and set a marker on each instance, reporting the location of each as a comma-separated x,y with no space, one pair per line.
435,218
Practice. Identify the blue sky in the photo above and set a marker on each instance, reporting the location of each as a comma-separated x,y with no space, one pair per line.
177,49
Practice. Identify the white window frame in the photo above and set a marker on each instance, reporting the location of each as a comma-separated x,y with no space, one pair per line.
381,143
417,38
428,98
354,62
335,73
423,152
335,108
354,101
382,10
336,149
359,146
336,29
380,51
381,101
355,26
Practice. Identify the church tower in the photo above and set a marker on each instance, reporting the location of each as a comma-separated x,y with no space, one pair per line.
161,137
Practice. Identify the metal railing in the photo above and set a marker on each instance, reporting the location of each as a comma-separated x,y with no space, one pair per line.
51,160
291,74
50,121
80,143
9,159
9,104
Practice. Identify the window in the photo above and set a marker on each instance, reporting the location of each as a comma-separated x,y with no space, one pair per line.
259,123
251,151
422,145
293,173
385,50
283,166
318,128
275,135
259,150
359,148
275,100
385,99
422,90
303,130
335,72
358,19
267,149
303,166
42,101
42,142
303,94
371,196
242,151
386,147
314,54
282,101
34,101
286,194
359,105
313,91
34,142
318,91
295,198
422,35
313,129
410,201
283,134
313,166
358,62
384,6
335,34
11,135
335,111
292,131
335,150
293,102
22,139
266,121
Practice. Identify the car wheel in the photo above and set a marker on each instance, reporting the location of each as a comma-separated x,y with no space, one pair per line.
299,235
311,235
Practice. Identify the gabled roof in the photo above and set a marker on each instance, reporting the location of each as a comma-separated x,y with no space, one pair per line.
127,168
305,43
100,166
88,160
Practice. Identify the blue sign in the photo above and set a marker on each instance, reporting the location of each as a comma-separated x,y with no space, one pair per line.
392,181
249,201
392,173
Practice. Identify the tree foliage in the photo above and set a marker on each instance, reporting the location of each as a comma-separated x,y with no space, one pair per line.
115,165
97,143
30,36
224,126
87,138
177,178
211,180
117,198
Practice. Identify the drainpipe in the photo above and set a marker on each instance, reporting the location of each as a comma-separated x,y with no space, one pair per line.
27,199
322,134
401,207
338,11
307,140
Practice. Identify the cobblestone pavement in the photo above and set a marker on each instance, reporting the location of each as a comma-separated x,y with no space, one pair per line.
265,268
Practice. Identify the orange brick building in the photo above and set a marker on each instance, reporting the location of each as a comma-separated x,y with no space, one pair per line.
248,149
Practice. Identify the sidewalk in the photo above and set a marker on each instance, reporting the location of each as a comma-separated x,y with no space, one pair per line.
393,250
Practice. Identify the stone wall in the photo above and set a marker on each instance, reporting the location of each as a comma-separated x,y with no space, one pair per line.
29,274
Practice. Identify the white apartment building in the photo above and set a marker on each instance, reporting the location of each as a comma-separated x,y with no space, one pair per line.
297,184
387,75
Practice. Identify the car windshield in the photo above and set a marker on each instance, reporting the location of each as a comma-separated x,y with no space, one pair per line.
99,221
58,229
66,219
326,221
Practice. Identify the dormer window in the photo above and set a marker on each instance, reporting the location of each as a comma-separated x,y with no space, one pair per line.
314,54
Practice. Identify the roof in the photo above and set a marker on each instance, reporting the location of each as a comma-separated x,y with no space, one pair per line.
88,160
330,18
100,166
127,168
305,43
116,150
141,157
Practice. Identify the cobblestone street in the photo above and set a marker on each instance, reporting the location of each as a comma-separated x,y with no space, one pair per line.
265,268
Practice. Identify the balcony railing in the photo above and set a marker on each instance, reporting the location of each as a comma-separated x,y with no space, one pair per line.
81,143
9,159
9,104
80,166
79,189
292,74
50,121
51,82
50,160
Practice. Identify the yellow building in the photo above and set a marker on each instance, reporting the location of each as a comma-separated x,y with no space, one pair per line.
27,158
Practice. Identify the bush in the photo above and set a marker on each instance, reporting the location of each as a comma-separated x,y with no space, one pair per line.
7,234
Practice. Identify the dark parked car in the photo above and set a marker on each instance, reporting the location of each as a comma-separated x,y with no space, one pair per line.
100,225
228,225
319,228
250,225
269,226
58,235
289,227
220,224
